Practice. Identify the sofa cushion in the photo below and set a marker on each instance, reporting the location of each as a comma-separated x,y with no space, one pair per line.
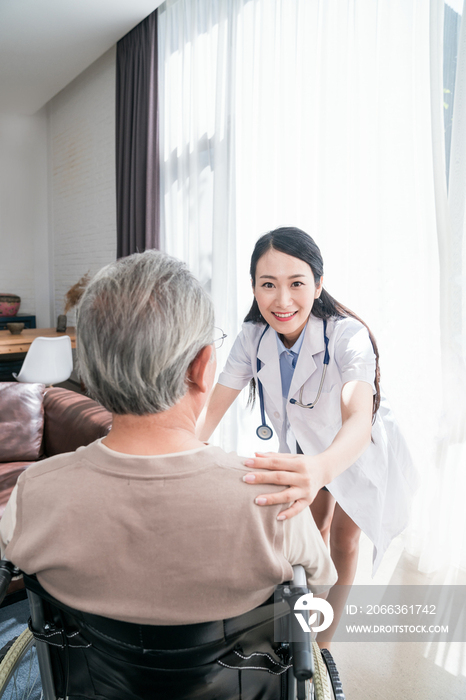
9,475
72,420
21,421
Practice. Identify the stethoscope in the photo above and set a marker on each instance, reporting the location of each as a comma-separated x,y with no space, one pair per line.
265,432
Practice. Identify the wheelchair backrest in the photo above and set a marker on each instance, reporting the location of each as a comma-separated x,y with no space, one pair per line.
96,657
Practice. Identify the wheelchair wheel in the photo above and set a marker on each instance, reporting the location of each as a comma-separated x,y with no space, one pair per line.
320,686
334,676
19,669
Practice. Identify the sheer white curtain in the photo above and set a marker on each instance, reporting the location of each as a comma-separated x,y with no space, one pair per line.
314,114
197,63
438,535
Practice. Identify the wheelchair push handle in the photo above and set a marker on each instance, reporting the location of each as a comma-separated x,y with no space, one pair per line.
300,645
7,571
303,663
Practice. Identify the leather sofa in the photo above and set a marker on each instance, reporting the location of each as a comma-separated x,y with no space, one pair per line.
36,423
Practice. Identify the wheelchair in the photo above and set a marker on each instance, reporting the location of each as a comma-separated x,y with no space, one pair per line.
66,654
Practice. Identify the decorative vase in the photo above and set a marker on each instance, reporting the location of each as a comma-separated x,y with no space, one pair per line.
9,304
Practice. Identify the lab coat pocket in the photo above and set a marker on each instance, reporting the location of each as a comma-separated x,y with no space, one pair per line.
326,412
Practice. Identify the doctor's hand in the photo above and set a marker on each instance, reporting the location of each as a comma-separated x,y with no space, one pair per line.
302,474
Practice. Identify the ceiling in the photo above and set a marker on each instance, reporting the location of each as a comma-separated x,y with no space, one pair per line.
45,44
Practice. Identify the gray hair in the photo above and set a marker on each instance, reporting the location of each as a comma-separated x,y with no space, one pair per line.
141,322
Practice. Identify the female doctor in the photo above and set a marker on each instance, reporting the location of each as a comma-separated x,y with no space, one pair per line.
314,366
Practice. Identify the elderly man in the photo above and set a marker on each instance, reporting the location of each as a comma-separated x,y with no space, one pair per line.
150,501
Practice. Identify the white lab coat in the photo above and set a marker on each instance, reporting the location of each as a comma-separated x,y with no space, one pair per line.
376,490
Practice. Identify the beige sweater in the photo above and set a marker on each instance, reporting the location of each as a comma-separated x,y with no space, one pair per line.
168,539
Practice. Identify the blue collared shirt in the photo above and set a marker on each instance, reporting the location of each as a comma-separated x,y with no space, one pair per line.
288,359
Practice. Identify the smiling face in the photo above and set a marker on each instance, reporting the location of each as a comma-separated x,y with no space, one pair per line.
285,290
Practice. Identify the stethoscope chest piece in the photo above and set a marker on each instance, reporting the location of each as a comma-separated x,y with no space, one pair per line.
264,432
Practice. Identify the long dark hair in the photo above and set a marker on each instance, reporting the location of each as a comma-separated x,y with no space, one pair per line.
299,244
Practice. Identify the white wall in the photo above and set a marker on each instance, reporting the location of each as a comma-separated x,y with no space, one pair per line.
81,137
24,249
57,192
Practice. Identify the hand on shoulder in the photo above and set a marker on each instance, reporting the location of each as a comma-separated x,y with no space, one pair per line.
302,476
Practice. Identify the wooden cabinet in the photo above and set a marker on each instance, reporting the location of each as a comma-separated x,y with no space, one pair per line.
29,321
11,364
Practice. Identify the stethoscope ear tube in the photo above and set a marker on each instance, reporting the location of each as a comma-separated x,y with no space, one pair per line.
321,385
310,405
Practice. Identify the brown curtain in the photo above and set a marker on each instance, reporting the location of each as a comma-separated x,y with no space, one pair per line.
137,145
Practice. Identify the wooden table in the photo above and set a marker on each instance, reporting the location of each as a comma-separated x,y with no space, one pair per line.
12,344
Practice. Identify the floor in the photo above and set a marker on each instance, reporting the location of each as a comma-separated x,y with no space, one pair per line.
13,621
407,670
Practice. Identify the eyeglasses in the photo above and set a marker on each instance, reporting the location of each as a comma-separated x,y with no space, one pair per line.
218,342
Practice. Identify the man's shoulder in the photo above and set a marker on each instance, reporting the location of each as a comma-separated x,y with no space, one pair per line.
52,464
231,465
224,460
